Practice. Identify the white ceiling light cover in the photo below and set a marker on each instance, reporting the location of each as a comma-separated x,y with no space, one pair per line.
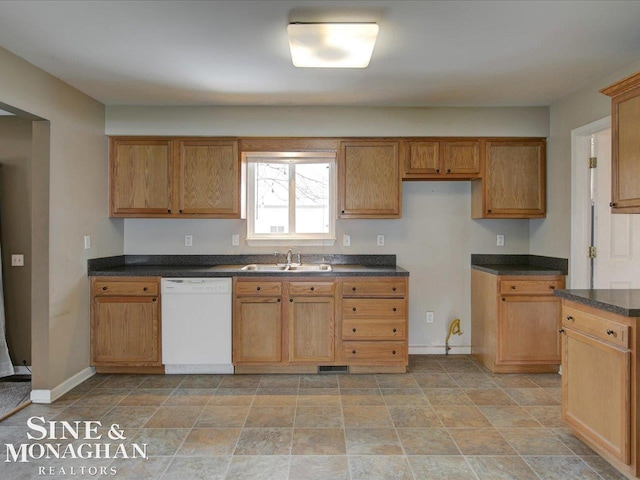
332,45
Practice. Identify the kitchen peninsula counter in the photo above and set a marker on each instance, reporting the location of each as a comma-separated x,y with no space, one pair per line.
625,302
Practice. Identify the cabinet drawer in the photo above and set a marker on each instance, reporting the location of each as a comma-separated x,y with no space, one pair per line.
373,329
106,287
596,326
374,352
533,287
312,288
377,288
258,288
373,307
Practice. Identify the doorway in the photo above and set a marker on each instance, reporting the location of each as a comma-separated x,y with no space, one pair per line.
615,260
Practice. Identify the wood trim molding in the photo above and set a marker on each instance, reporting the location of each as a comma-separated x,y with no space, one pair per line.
622,86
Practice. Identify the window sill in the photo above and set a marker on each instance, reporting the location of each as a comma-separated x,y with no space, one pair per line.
289,242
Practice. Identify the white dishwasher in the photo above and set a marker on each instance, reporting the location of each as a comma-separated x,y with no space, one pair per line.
196,325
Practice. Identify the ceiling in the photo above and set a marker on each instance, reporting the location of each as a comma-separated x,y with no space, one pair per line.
428,53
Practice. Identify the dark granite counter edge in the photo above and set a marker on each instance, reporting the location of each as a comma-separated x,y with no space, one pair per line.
541,265
585,298
213,274
516,270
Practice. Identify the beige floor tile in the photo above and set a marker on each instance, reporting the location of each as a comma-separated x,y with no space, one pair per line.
434,380
317,397
512,380
508,416
396,381
279,381
318,441
488,396
473,380
361,396
561,468
550,417
461,416
414,416
197,468
264,441
603,468
19,419
162,381
427,441
241,399
240,381
447,396
141,397
201,381
319,381
214,416
357,381
316,417
404,396
440,467
259,467
273,399
501,468
462,366
371,417
80,413
535,441
552,380
480,441
160,441
270,416
569,439
122,381
128,469
531,396
319,468
189,397
373,441
174,417
202,442
379,467
129,417
109,397
235,392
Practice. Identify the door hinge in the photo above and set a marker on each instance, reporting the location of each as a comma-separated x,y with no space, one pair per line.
593,162
593,252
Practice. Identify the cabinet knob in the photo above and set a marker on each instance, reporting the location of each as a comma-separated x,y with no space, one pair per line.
354,309
570,318
552,287
104,288
448,170
394,289
613,204
513,287
342,211
258,288
180,210
561,330
395,309
437,170
489,211
313,288
278,300
353,330
154,299
395,330
393,352
353,351
291,300
169,210
611,332
504,299
144,289
353,289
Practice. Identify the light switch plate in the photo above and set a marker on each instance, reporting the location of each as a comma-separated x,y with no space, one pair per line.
429,317
87,242
500,240
380,240
188,240
235,240
17,260
346,240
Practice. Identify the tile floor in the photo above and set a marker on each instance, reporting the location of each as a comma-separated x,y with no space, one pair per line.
449,418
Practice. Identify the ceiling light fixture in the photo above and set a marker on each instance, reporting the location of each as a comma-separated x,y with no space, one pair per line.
332,45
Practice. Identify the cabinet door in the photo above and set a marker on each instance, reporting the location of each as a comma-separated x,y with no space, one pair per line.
209,179
514,180
141,177
528,330
422,158
625,167
311,329
125,331
596,395
461,157
369,179
257,330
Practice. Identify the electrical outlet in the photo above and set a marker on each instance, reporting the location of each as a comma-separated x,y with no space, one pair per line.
500,240
346,240
235,240
17,260
188,240
87,242
380,240
429,317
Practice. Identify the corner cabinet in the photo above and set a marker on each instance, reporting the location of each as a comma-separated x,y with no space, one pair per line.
174,177
513,181
599,382
515,321
625,145
125,325
441,159
369,183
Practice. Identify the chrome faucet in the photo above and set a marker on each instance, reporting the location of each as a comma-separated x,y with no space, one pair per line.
289,253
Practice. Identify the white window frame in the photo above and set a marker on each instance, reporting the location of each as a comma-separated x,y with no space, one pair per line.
290,239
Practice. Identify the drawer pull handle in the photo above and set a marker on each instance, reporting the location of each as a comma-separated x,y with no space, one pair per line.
613,204
394,352
395,309
313,288
258,288
552,287
561,330
145,289
353,330
448,170
570,318
611,332
513,287
154,299
437,170
353,351
504,299
394,289
278,300
395,330
354,309
353,289
291,300
104,288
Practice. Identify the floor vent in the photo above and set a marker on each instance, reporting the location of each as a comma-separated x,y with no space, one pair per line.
333,369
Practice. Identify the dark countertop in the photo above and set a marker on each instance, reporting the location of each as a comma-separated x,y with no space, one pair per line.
625,302
519,264
229,266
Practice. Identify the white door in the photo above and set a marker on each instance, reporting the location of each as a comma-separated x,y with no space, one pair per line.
617,237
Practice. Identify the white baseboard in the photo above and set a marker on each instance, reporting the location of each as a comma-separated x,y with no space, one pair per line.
50,396
438,350
21,370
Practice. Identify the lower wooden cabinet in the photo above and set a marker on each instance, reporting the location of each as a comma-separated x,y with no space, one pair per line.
125,324
288,325
515,321
599,382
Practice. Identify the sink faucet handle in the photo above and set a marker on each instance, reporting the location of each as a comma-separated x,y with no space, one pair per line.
299,258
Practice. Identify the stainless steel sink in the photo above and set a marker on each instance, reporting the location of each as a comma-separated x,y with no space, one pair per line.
293,268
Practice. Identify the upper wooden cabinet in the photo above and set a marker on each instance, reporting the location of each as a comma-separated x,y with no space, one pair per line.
440,159
513,180
625,145
169,177
369,183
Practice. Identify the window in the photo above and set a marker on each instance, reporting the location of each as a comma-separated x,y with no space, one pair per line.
291,196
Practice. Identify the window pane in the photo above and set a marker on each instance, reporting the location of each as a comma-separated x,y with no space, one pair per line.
312,198
272,198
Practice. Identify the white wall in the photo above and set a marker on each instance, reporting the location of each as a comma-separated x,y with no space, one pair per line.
77,206
433,240
553,235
